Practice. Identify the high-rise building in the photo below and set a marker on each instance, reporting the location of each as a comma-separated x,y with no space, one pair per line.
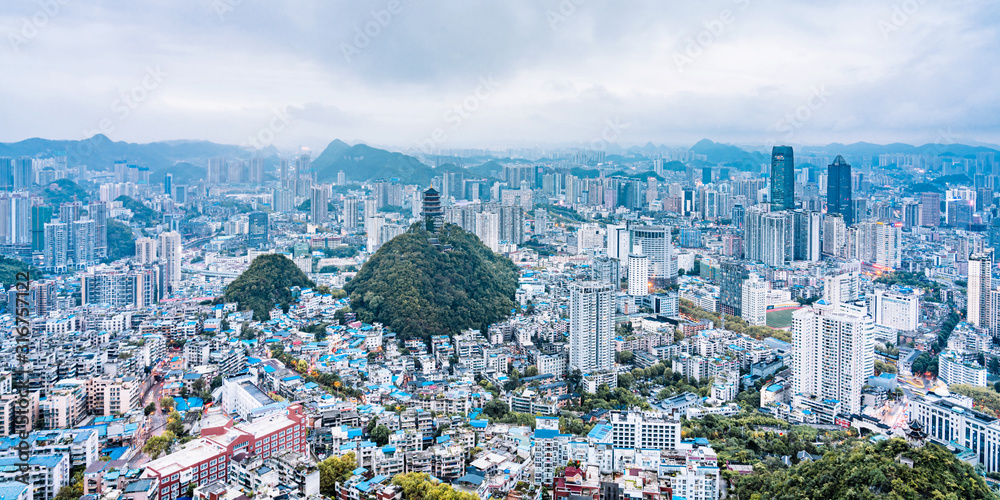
351,206
731,287
170,256
980,283
807,235
775,237
217,172
168,184
657,244
341,178
619,241
591,326
838,189
754,301
638,275
132,288
145,250
319,204
844,287
897,308
588,237
432,212
834,235
782,178
888,245
256,171
488,229
6,174
56,245
930,209
834,353
40,216
257,235
83,237
283,173
98,212
24,174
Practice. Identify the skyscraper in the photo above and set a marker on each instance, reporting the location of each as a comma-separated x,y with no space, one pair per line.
638,275
6,174
168,184
40,216
782,178
775,236
318,204
170,255
351,212
838,190
145,250
283,173
56,245
731,287
98,211
834,353
257,231
754,301
656,243
591,326
930,209
980,283
24,174
807,235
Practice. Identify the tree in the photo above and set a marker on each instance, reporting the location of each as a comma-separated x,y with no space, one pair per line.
531,371
149,409
380,435
216,382
495,408
881,367
266,282
198,385
418,486
625,380
156,445
335,470
175,423
626,357
167,402
574,378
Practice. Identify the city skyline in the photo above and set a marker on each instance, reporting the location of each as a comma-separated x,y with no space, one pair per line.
575,73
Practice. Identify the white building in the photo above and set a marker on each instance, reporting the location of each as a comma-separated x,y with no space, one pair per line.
952,369
241,397
170,255
754,301
980,283
844,287
589,237
834,352
897,308
591,326
637,430
953,418
638,275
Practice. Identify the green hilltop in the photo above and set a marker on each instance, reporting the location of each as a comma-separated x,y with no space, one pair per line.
266,282
419,287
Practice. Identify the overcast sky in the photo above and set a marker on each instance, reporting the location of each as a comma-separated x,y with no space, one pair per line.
297,73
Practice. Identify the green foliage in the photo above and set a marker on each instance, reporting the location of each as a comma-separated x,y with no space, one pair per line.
380,434
121,242
418,289
63,191
175,423
9,269
362,162
626,357
496,408
419,486
335,470
156,445
167,402
912,280
881,367
925,363
871,471
149,409
266,282
141,214
343,252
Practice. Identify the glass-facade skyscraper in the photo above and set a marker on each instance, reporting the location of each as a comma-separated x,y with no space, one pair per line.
782,178
838,190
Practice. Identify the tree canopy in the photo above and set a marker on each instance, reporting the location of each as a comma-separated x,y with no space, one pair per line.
418,287
266,282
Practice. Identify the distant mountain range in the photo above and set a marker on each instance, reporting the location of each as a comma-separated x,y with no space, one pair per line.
186,159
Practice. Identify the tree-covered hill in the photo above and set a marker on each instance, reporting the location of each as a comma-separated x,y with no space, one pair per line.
419,289
265,283
870,471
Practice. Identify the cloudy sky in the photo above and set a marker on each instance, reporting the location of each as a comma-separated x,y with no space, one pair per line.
474,73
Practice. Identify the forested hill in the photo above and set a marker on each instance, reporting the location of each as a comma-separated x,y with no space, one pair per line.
418,287
889,470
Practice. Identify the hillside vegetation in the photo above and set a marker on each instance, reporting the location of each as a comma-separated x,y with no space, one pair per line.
418,289
265,283
870,471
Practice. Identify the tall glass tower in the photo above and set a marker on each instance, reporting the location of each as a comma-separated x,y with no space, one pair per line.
838,190
782,178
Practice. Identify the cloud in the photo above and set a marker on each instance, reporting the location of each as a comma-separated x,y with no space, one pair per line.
389,71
